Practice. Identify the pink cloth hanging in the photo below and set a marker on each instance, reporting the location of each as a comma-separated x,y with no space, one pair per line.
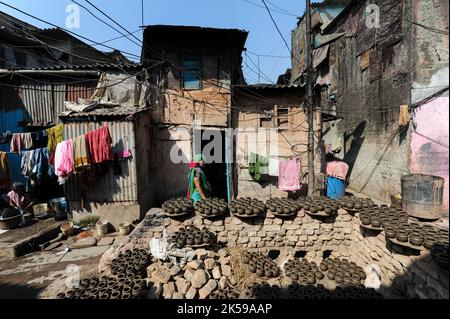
64,158
289,175
337,169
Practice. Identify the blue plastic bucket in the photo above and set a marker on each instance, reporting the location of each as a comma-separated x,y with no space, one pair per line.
335,187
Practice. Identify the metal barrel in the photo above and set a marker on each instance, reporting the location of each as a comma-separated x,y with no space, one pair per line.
422,195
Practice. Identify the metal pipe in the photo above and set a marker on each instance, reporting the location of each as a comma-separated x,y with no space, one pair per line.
310,102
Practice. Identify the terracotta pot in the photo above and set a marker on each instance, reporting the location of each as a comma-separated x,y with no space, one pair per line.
402,236
390,232
416,240
376,223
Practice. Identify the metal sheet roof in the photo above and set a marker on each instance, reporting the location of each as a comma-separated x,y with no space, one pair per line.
107,111
93,66
269,86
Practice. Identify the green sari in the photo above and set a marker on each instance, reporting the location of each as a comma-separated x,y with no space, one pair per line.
193,192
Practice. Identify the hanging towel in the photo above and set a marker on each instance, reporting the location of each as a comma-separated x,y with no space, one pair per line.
27,164
404,115
16,143
54,136
80,153
5,173
273,166
64,160
41,167
263,165
27,141
253,166
5,138
99,145
337,169
289,175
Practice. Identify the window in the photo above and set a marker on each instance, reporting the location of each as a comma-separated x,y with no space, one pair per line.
282,117
265,120
191,73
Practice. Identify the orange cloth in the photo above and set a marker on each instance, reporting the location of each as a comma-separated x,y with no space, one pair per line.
337,169
5,175
404,115
99,145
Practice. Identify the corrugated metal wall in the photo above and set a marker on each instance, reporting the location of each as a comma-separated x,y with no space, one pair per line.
81,90
37,101
107,188
59,96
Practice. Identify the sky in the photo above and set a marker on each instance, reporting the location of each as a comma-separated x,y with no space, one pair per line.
249,15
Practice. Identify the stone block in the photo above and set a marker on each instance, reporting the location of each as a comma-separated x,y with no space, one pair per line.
177,296
182,285
255,239
243,240
224,260
277,221
199,279
261,233
168,290
218,223
161,275
207,289
223,283
196,264
271,228
192,293
174,270
210,263
226,270
216,273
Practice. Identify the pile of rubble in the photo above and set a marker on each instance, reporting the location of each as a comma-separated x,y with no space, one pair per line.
201,278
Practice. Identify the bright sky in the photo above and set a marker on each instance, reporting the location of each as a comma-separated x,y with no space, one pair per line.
249,15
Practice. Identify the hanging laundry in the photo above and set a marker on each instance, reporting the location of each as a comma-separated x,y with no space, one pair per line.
27,164
16,143
273,166
337,169
80,152
404,115
289,175
40,139
99,145
64,160
5,173
27,141
263,165
54,136
253,166
41,168
5,138
123,154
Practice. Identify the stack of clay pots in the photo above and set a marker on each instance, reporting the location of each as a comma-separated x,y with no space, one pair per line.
226,293
343,272
127,282
383,217
262,291
247,207
261,265
283,206
211,207
130,263
355,203
192,236
306,273
319,204
296,291
178,207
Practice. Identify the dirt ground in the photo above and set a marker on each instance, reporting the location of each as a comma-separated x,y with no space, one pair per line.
41,275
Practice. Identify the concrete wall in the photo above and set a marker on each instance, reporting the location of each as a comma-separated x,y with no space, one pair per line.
370,79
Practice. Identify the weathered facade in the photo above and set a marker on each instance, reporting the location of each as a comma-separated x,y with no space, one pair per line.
277,112
366,74
192,72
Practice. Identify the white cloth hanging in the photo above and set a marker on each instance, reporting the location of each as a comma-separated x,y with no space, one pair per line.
273,166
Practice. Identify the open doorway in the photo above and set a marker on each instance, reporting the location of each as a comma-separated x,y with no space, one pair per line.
213,148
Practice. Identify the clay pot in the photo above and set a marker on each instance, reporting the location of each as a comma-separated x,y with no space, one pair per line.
390,232
402,236
416,240
331,275
323,266
376,223
319,275
428,243
365,220
260,272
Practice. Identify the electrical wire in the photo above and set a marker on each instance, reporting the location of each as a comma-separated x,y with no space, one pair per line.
66,30
445,32
280,12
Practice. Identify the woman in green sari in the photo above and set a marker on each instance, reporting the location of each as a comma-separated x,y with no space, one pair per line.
199,188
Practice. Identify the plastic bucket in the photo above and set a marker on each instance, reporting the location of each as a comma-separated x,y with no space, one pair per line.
102,227
335,187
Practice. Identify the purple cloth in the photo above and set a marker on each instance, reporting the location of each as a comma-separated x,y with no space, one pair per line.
289,175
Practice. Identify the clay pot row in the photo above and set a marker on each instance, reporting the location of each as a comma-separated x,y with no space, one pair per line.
191,235
261,265
303,271
211,207
283,206
356,203
440,255
246,202
298,291
343,272
130,263
226,293
178,206
417,235
109,288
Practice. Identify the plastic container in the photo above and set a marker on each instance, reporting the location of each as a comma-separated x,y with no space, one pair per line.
102,227
67,229
335,187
